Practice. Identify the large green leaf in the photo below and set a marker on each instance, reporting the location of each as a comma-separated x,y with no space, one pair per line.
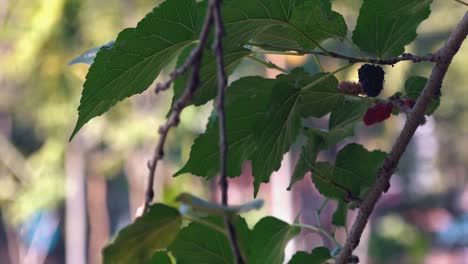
413,88
298,22
308,22
137,242
385,27
319,255
199,243
348,113
269,238
354,171
246,102
137,57
297,95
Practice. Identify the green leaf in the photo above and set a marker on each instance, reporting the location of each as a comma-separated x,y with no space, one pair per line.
413,88
160,257
304,24
354,171
200,206
270,236
385,27
137,242
246,102
339,216
308,22
348,113
320,96
317,140
308,156
317,22
208,73
318,255
198,243
295,96
137,57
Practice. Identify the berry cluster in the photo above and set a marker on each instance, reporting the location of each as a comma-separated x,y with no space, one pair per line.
371,78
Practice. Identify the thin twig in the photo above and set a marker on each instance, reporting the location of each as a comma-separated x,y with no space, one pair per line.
223,143
390,61
444,57
179,105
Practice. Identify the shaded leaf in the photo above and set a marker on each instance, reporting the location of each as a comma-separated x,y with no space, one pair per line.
354,172
385,27
319,255
348,113
318,22
307,159
270,236
340,214
246,102
198,243
160,257
297,95
208,73
413,88
138,241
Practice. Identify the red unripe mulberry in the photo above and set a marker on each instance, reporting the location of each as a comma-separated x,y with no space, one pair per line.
378,113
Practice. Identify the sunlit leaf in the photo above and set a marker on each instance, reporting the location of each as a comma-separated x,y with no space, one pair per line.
137,57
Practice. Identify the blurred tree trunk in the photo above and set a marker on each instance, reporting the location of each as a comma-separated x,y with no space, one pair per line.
98,216
75,204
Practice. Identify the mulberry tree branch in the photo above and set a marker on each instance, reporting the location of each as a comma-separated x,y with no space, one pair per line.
223,145
443,57
193,82
390,61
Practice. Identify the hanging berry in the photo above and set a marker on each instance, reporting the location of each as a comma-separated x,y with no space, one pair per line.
378,113
371,78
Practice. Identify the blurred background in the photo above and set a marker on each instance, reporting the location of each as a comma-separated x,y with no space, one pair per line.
61,202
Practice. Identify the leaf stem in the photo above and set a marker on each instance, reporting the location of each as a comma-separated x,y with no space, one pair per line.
268,64
317,61
350,59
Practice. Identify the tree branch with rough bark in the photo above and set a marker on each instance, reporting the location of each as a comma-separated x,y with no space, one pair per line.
443,58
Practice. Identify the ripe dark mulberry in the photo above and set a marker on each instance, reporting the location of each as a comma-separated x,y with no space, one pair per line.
372,79
378,113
